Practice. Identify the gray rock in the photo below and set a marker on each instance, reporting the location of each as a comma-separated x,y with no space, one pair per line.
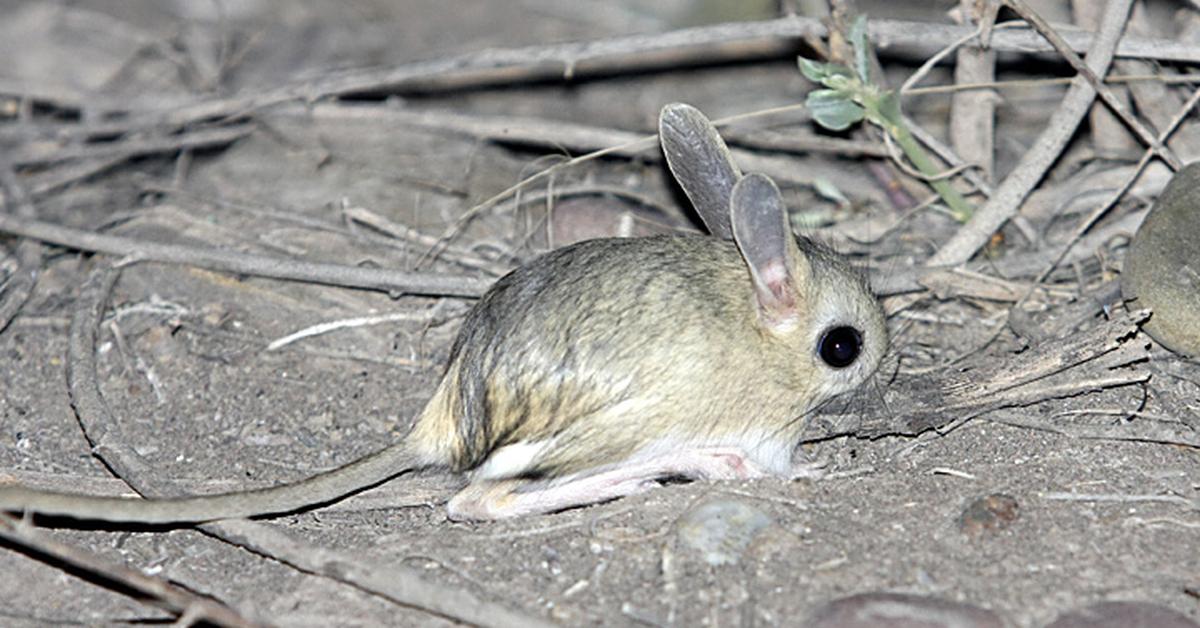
900,610
721,530
1162,267
1123,615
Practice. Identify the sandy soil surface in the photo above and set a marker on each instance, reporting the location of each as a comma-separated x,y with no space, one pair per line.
1025,509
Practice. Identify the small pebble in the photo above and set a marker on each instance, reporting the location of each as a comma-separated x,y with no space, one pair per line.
721,530
900,610
1123,615
989,514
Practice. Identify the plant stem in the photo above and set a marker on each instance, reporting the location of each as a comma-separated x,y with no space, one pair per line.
960,209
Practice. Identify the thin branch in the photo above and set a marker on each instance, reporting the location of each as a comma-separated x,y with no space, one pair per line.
360,321
971,390
1114,104
1112,199
1109,135
377,577
417,490
1123,499
1136,431
63,175
1101,210
394,282
599,141
385,580
32,154
947,154
781,169
574,136
1111,79
670,50
156,592
505,66
1008,197
15,292
972,113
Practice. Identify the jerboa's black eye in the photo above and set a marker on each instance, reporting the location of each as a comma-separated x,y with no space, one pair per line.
840,346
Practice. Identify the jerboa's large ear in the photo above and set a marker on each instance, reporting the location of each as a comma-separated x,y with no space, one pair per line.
701,164
778,269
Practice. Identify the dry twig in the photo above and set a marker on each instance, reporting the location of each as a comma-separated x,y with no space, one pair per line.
16,291
968,391
1103,91
36,154
156,592
972,113
1008,197
679,48
390,582
394,282
1138,431
1102,209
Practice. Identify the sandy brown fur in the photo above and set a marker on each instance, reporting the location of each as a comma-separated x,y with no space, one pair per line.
597,369
631,359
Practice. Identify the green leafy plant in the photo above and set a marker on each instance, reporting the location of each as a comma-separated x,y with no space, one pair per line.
849,97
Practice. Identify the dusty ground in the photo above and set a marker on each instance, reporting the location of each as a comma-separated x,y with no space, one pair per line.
183,363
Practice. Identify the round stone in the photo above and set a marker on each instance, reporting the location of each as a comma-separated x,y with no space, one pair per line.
1162,266
900,610
1123,615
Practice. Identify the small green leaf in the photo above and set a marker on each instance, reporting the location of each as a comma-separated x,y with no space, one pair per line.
839,70
862,48
833,110
812,70
828,191
818,72
810,220
844,84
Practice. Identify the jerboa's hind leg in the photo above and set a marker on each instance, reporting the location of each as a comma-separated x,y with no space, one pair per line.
499,499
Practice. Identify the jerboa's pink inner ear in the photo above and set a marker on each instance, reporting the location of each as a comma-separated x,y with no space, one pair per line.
700,162
762,234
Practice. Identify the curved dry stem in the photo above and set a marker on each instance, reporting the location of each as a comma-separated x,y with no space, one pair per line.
394,282
396,584
29,253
